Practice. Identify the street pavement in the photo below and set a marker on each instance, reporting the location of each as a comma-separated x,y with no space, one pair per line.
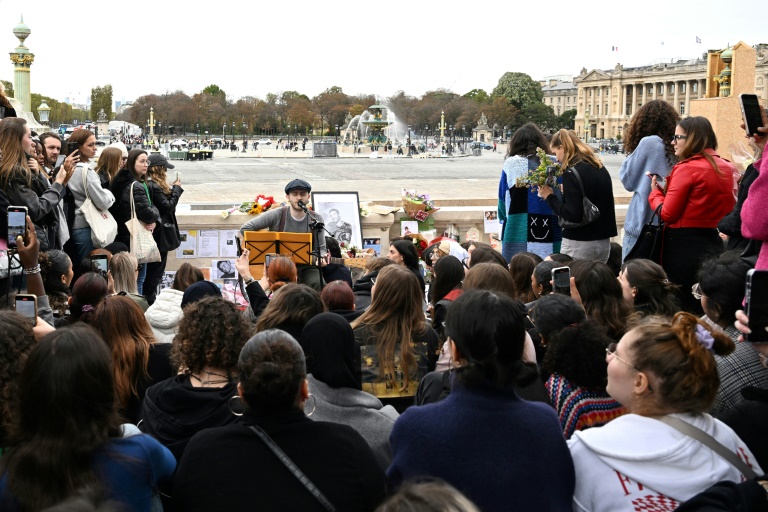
231,178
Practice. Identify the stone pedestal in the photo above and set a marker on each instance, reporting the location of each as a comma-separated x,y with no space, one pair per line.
725,113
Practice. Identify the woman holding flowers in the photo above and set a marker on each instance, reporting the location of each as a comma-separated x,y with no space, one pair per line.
528,223
590,241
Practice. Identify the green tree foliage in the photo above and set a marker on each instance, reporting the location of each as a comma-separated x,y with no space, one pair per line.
101,98
519,89
478,95
214,90
8,88
567,119
60,112
540,114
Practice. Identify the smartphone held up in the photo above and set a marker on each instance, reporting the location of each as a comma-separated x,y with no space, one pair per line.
561,280
17,225
752,113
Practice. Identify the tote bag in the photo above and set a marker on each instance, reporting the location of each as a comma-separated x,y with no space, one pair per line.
648,245
143,245
103,225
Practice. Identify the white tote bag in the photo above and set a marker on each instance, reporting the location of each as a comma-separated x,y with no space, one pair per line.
103,225
143,245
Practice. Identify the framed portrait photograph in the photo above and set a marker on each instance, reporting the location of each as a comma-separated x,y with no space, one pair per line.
341,213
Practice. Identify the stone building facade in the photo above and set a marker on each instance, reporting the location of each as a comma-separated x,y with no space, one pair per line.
605,100
560,95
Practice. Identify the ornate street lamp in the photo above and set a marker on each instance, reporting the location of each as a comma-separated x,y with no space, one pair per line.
245,127
44,111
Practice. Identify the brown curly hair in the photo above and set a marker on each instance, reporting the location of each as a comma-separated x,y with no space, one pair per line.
212,333
16,341
656,117
686,372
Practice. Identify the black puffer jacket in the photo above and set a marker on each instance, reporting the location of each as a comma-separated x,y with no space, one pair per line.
121,210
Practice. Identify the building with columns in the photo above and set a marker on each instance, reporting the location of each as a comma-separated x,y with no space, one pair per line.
607,99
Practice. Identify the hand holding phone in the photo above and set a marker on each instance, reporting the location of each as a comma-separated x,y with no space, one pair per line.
657,180
26,306
756,306
17,225
561,280
752,112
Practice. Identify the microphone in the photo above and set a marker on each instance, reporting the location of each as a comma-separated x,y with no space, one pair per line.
302,206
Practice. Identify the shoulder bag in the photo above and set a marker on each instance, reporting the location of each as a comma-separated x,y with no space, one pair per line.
710,442
293,468
648,244
143,245
591,212
103,225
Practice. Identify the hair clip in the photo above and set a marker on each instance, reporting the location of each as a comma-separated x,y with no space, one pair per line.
705,337
87,308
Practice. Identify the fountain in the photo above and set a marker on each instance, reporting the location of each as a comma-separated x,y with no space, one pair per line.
374,127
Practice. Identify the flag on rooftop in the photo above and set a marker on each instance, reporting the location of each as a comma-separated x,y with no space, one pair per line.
614,48
698,39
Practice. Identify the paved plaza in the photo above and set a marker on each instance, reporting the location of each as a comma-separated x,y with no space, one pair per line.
230,178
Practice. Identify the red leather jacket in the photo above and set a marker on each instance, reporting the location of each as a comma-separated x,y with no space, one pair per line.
696,196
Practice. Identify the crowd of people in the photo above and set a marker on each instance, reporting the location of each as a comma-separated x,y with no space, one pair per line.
489,386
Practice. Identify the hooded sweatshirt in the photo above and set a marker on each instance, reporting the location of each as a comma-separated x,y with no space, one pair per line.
639,463
173,411
165,314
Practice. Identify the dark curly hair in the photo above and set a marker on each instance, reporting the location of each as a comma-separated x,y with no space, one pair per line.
212,333
16,341
577,352
656,117
53,265
271,369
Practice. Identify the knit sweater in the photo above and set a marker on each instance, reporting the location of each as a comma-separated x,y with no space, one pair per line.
528,223
754,222
502,452
578,408
648,157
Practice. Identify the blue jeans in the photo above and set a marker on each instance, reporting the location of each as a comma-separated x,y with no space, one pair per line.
141,278
81,239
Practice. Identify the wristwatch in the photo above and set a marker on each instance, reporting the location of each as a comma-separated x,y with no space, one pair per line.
249,281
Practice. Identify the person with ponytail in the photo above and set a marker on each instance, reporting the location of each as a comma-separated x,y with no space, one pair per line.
497,448
646,288
218,470
664,372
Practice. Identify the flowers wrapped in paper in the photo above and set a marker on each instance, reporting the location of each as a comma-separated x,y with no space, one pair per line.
418,206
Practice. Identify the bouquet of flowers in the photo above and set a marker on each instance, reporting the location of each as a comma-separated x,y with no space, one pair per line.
418,206
545,174
261,204
351,250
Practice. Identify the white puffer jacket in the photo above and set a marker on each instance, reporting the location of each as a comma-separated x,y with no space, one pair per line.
165,314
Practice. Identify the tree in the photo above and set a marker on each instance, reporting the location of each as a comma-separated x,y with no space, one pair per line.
101,99
519,89
8,88
567,119
214,90
477,95
540,114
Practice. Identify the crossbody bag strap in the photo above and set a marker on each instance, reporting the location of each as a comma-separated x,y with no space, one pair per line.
306,482
710,442
578,178
84,170
133,206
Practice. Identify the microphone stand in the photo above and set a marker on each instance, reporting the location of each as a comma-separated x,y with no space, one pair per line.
317,229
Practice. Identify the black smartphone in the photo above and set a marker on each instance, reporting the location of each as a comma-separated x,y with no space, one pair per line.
238,246
751,111
561,280
26,306
100,263
756,306
71,147
17,224
660,181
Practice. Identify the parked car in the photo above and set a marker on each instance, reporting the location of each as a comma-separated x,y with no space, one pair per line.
265,142
179,144
481,145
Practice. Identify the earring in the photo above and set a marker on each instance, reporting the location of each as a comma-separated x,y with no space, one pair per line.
314,405
229,406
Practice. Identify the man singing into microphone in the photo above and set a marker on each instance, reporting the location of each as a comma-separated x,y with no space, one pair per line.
293,218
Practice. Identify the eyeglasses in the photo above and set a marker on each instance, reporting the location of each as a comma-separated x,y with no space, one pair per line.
679,137
696,292
611,351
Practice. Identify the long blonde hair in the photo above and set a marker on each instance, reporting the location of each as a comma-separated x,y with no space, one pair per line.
123,266
574,150
158,174
12,131
110,161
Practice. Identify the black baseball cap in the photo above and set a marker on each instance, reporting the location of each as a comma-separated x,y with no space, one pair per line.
297,184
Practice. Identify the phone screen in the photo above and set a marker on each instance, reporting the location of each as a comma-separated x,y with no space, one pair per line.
17,224
561,280
27,307
100,262
751,110
268,259
756,306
